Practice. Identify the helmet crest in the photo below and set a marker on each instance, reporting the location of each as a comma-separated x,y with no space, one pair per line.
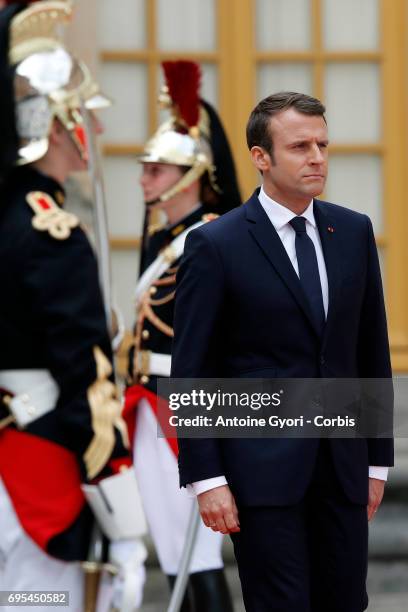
194,138
183,80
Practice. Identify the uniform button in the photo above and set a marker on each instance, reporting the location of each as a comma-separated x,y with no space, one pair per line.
153,290
144,380
322,360
25,398
145,334
31,410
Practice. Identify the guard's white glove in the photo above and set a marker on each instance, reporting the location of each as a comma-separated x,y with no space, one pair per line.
129,557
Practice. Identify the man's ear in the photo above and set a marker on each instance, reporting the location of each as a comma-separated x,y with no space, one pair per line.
260,158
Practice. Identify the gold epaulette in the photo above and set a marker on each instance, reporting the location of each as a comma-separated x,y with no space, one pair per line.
105,414
49,217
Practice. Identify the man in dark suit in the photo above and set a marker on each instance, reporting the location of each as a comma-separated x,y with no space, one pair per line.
286,286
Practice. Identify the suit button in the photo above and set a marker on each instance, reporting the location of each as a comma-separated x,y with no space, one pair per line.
145,334
144,379
322,360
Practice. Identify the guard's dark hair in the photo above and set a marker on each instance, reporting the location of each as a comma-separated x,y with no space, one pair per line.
258,131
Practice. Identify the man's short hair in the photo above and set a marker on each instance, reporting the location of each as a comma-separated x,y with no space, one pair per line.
258,128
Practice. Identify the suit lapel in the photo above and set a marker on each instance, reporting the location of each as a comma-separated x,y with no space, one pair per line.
268,240
329,238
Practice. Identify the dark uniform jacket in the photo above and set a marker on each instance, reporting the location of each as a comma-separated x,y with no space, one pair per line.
154,323
52,318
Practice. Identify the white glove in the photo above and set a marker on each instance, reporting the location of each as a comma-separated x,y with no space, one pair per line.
128,556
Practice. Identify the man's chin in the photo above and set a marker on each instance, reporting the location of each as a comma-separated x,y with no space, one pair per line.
315,187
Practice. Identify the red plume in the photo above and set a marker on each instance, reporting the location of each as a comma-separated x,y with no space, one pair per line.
183,79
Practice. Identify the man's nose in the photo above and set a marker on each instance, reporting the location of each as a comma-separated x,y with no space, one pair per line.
316,156
143,179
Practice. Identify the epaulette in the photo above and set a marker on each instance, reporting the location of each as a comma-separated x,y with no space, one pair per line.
209,217
48,216
105,415
178,229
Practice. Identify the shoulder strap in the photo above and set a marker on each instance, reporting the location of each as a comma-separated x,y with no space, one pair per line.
164,260
48,216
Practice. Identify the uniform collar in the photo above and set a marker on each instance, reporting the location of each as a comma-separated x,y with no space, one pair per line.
192,217
30,179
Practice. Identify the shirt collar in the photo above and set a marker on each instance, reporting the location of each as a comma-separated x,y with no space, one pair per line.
280,215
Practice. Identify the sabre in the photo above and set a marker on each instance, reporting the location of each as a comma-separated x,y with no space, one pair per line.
95,564
188,549
99,212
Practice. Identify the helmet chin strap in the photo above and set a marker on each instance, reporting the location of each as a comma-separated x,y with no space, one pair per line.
200,166
167,195
152,202
73,122
78,135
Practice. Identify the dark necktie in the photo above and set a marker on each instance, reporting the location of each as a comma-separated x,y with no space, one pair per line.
309,271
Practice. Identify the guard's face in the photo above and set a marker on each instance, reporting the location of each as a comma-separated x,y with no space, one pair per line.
297,173
157,178
75,143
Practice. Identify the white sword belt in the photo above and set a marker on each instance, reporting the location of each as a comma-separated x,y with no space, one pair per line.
28,395
156,364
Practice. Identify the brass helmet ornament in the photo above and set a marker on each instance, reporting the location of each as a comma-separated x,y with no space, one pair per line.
184,139
48,81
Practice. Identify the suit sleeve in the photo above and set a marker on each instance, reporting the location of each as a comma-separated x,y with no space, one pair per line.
197,342
62,285
373,348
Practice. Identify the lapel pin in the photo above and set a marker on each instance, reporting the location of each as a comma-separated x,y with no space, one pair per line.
330,229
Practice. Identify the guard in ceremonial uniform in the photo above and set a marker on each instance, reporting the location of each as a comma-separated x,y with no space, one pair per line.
63,443
188,179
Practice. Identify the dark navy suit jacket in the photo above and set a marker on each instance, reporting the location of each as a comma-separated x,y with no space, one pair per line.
241,312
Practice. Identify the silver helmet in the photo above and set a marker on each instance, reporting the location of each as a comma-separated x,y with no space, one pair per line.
184,139
48,81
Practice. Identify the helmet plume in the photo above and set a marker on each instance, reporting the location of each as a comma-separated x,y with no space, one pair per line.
183,79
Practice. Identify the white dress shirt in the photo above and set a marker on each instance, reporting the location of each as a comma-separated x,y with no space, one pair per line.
280,216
